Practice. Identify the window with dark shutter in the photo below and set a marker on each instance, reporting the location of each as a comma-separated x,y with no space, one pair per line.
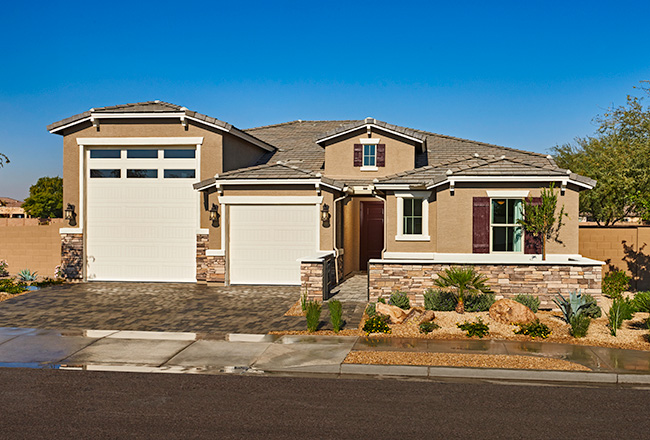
358,155
381,155
533,243
481,225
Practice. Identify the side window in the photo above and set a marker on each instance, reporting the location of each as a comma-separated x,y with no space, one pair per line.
507,234
412,217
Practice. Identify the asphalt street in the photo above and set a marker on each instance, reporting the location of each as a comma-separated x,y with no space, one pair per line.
98,405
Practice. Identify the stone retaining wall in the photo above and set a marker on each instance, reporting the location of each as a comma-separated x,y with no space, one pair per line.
313,279
72,256
544,281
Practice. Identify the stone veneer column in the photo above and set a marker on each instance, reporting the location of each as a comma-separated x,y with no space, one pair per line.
72,254
542,280
210,269
311,280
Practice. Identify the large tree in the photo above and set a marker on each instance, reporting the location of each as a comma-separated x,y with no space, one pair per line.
618,157
45,198
3,160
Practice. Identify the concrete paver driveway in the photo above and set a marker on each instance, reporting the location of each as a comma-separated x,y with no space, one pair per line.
155,307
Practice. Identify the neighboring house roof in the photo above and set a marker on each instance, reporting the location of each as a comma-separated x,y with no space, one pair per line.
274,171
156,109
8,202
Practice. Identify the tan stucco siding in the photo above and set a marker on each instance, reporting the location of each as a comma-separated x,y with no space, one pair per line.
238,153
339,155
393,225
454,217
352,232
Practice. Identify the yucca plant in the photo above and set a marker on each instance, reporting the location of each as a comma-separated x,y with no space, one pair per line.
463,279
27,276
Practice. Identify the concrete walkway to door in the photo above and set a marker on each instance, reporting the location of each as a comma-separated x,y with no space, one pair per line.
169,307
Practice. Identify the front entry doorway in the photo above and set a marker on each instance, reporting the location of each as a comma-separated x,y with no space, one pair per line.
372,232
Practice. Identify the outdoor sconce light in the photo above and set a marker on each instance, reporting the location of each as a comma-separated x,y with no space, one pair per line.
325,214
214,213
69,214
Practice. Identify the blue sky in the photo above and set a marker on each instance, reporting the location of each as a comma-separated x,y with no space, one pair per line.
527,75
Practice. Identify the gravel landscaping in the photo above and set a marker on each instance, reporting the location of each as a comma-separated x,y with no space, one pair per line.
461,360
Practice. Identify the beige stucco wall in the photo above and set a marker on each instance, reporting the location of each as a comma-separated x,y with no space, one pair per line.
27,245
339,155
454,216
352,232
238,153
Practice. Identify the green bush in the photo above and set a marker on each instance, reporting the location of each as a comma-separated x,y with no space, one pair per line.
46,282
579,325
400,299
439,300
12,286
312,310
303,301
479,302
530,301
381,300
477,328
592,310
336,314
535,329
615,283
371,309
622,309
642,302
428,327
377,324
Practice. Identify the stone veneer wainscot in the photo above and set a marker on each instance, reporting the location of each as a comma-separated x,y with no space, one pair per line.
72,256
506,280
210,269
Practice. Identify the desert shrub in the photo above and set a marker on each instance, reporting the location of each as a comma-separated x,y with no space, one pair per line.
439,300
400,299
530,301
622,309
45,282
12,286
642,302
312,313
377,324
465,279
535,329
371,309
577,304
303,301
579,325
479,302
428,327
3,268
477,328
336,314
615,283
27,275
381,300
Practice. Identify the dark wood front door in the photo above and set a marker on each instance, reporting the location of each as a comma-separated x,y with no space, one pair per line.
372,232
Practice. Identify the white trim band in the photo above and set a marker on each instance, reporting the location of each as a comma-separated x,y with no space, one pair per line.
270,200
508,194
140,141
215,252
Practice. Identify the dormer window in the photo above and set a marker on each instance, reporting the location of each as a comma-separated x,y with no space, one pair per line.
369,154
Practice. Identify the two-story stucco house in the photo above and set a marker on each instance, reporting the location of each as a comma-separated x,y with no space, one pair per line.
162,193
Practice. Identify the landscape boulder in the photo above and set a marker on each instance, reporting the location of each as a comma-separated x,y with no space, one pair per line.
396,315
508,311
427,316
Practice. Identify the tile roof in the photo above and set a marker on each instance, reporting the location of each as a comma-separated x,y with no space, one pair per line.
10,203
358,124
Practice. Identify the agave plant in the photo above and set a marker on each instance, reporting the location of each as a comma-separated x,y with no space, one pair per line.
575,305
464,279
27,276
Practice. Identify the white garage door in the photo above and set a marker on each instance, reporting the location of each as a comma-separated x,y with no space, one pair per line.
266,242
141,215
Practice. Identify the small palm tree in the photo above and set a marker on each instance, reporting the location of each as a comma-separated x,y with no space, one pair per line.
464,279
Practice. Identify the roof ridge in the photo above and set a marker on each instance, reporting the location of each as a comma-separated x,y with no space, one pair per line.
298,121
131,104
487,144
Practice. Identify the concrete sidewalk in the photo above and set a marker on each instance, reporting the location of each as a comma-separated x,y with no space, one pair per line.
112,350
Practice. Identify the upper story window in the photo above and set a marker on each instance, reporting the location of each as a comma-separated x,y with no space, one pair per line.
507,234
369,155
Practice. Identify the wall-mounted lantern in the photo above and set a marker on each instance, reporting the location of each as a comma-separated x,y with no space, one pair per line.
325,215
69,214
214,214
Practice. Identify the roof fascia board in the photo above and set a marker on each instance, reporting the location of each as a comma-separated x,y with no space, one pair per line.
272,182
564,180
236,132
141,141
397,133
395,186
63,127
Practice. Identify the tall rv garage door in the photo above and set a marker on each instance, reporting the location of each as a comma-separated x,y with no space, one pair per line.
266,242
141,214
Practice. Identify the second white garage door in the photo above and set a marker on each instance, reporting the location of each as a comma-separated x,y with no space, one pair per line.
266,242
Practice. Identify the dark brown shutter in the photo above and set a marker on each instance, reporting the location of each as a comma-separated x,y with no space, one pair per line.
481,225
358,155
381,155
533,243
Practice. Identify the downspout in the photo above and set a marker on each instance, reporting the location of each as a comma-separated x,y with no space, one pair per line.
336,249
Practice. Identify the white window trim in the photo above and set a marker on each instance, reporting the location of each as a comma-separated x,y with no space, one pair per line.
400,196
369,168
523,233
364,142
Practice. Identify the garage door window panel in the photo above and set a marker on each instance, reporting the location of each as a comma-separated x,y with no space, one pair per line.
180,174
142,154
105,174
142,174
180,154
